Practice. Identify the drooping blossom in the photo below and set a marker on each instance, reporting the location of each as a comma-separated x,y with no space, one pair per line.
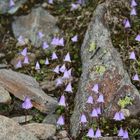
50,1
67,57
61,41
98,110
47,61
127,24
90,133
125,135
62,101
60,121
133,3
55,41
45,45
136,77
56,69
21,40
69,72
133,12
18,65
98,133
100,99
90,100
74,6
69,88
83,119
137,38
27,104
95,88
119,116
26,60
54,56
24,52
94,113
62,68
40,35
75,38
121,132
66,75
132,56
11,3
59,81
37,66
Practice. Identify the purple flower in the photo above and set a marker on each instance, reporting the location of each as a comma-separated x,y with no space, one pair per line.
62,101
90,133
40,35
46,61
98,133
74,6
100,99
95,88
21,40
45,45
62,68
26,60
18,65
59,81
121,115
54,56
11,3
55,41
98,110
133,12
117,116
69,88
127,24
60,121
137,38
132,56
136,77
69,72
37,66
61,42
56,69
90,100
75,38
133,3
66,75
24,52
94,113
27,104
125,135
67,58
83,118
121,132
50,1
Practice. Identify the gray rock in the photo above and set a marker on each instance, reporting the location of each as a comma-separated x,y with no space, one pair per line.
21,85
102,66
4,96
10,130
21,119
38,20
50,119
2,55
4,6
41,131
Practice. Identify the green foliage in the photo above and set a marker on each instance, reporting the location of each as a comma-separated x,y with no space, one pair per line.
125,101
134,133
92,46
100,69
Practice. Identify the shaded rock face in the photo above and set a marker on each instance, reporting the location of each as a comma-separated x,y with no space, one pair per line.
102,66
10,130
38,20
4,6
41,131
21,85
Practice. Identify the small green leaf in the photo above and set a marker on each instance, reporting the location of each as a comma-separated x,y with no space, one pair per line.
92,46
42,61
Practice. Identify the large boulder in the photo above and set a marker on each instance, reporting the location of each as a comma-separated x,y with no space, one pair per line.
10,130
38,20
102,65
21,85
